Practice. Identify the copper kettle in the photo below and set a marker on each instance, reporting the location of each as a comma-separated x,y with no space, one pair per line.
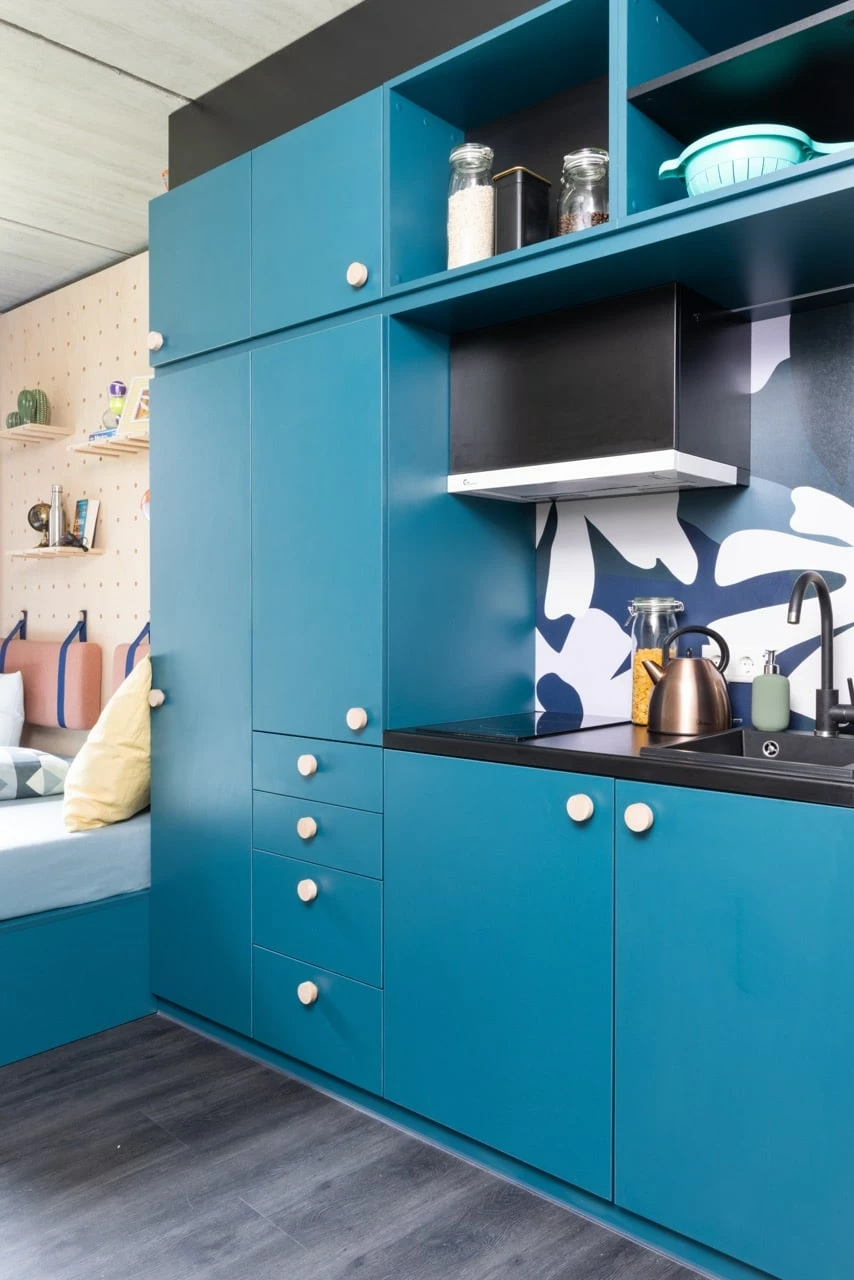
690,695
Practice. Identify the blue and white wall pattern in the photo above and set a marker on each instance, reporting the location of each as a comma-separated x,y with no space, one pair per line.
730,555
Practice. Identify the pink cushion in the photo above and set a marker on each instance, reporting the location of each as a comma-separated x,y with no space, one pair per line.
38,663
120,658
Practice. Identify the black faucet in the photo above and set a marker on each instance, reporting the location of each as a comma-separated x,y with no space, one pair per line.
829,712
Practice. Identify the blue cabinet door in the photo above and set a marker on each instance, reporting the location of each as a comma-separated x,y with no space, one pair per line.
498,959
201,736
199,236
317,209
734,1036
317,512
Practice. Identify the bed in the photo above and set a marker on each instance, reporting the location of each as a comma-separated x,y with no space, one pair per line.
74,951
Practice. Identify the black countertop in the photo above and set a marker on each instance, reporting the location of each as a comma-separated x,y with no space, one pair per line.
615,753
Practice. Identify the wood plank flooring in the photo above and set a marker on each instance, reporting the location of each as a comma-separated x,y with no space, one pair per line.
149,1153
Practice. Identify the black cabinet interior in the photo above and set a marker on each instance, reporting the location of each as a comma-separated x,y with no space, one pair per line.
660,369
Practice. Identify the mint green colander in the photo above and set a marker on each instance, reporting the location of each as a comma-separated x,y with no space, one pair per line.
747,151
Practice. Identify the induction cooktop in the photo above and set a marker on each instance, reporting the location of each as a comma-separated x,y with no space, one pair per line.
521,727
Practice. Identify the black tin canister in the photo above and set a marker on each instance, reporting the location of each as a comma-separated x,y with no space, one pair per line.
521,208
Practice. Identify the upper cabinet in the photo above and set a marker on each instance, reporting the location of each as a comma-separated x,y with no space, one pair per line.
317,217
199,275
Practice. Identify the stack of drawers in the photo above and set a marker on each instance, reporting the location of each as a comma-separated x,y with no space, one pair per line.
317,903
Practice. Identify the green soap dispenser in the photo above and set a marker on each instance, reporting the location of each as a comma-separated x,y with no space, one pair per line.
770,707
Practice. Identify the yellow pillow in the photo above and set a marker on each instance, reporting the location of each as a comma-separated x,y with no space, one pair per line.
110,778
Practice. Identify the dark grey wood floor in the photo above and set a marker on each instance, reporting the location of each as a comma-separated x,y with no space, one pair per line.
149,1153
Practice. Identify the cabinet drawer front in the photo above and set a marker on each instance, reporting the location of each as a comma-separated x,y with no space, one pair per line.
340,928
347,839
340,1033
345,775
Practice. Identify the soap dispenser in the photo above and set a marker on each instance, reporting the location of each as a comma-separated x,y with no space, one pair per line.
770,708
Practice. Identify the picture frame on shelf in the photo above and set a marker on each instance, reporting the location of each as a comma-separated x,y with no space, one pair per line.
136,411
86,519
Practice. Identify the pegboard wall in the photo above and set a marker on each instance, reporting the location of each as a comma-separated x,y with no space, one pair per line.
73,343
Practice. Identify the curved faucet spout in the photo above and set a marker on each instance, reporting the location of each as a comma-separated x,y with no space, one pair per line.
826,609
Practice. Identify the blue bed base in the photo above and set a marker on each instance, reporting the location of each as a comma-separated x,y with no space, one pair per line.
69,973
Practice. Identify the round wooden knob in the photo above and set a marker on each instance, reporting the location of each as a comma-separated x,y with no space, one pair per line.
639,818
307,890
155,340
580,808
307,765
156,698
357,718
307,992
357,275
306,828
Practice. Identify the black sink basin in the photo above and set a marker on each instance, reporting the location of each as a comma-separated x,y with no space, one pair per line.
801,753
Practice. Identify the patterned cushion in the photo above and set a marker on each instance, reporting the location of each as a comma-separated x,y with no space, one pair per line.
25,773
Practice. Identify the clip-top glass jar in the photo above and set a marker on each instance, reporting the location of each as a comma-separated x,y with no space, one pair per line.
653,618
584,190
471,205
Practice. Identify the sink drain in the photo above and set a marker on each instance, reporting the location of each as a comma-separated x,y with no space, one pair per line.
771,749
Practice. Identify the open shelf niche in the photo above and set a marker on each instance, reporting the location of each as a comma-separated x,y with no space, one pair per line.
533,90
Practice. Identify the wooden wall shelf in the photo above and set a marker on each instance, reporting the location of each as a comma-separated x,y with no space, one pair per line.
117,447
32,433
54,553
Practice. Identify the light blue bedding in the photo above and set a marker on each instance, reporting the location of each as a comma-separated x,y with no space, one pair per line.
43,866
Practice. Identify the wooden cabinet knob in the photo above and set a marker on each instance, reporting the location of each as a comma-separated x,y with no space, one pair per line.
306,828
580,808
155,340
639,818
307,890
357,718
156,698
307,765
357,275
307,993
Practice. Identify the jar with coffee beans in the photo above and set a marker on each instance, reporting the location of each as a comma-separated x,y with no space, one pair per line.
584,190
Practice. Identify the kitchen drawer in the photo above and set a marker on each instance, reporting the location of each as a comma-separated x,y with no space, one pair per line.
345,774
347,839
340,928
340,1033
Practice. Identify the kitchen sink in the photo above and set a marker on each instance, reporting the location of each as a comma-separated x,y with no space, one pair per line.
793,753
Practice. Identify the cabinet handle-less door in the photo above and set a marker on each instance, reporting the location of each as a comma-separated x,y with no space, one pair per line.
357,275
639,818
580,808
307,890
307,828
307,993
155,341
357,719
307,765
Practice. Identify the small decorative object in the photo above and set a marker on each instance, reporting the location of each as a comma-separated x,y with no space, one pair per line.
72,540
56,519
38,518
747,151
145,504
27,406
106,433
135,415
42,407
33,406
584,190
14,420
521,208
471,205
85,520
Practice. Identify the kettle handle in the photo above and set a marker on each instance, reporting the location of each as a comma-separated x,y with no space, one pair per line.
699,631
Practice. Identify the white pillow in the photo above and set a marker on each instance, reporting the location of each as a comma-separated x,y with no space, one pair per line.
11,709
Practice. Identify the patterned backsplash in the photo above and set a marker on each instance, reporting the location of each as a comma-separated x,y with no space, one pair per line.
730,555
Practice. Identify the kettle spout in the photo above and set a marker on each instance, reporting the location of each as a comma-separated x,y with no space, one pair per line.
653,670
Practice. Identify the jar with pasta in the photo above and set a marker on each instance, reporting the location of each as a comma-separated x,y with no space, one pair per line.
652,619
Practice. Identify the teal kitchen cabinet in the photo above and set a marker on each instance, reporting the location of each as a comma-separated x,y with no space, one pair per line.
498,958
317,217
734,1040
201,737
200,263
317,519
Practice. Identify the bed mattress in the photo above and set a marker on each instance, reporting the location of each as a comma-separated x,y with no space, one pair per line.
43,866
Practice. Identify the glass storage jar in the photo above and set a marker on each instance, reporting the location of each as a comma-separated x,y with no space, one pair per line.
584,190
471,205
652,618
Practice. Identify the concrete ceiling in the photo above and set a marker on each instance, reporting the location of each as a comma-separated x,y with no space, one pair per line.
85,94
